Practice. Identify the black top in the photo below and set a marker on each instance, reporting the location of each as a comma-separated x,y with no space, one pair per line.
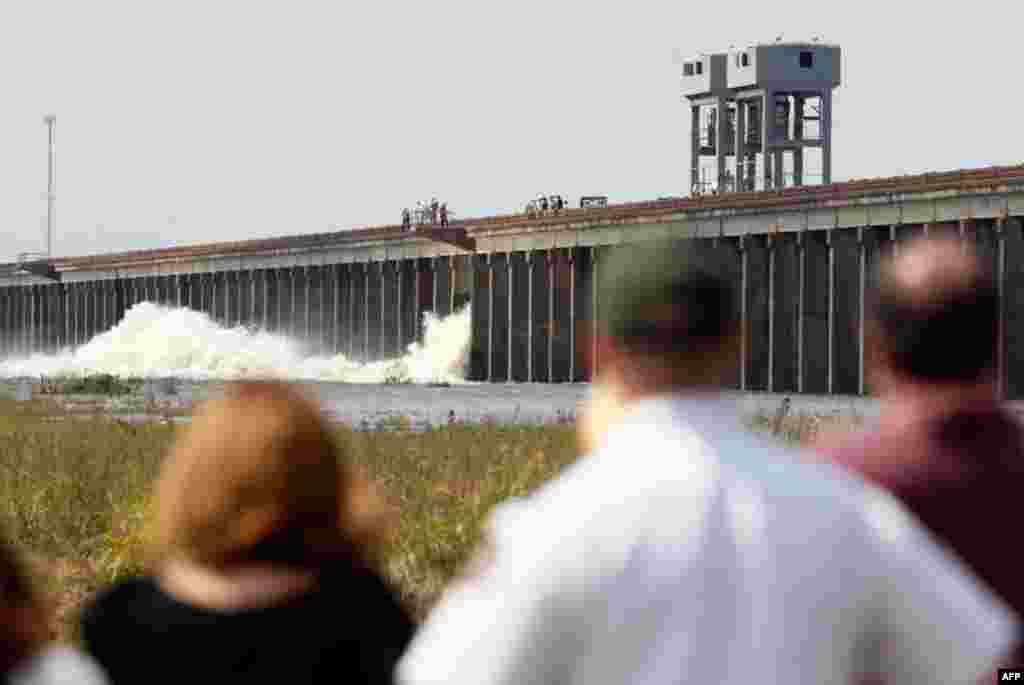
349,630
958,475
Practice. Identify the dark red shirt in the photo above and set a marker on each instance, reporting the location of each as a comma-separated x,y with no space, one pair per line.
962,476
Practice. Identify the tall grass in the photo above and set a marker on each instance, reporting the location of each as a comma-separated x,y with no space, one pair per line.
802,429
74,493
442,483
75,490
67,488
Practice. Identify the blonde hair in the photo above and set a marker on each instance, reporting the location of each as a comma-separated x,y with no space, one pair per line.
258,476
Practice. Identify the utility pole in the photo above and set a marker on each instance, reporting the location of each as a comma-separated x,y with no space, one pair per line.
49,120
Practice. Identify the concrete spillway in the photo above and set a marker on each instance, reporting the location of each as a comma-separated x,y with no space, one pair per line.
804,260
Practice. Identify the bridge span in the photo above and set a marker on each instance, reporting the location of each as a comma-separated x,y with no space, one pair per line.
804,258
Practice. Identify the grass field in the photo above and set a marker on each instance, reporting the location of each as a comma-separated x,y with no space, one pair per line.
74,492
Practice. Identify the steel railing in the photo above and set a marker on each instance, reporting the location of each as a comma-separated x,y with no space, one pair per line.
25,257
954,180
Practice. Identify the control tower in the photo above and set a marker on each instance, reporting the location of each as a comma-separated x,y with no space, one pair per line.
712,132
775,105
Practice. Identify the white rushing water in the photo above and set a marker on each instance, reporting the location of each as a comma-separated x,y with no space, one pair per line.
158,342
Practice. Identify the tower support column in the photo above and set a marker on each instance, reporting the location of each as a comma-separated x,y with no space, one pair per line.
739,144
766,106
798,136
694,148
721,128
826,137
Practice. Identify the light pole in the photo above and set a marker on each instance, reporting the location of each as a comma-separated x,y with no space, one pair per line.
50,120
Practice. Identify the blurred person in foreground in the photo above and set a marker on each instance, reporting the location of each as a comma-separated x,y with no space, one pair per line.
942,443
263,559
27,656
683,549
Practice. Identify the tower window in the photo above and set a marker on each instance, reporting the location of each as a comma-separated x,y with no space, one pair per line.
688,69
700,67
806,59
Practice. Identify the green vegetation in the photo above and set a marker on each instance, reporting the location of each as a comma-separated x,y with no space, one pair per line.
442,483
801,429
71,493
96,384
74,491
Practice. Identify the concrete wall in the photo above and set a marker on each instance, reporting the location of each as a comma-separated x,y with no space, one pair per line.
802,298
804,273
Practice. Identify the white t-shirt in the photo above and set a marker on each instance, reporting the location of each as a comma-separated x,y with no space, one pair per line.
686,550
57,666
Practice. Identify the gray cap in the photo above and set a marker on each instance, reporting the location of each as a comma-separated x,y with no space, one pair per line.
665,296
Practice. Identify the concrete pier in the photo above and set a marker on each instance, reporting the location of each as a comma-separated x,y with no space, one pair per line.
756,313
374,311
410,302
443,267
481,352
389,326
537,301
519,317
358,319
342,331
499,323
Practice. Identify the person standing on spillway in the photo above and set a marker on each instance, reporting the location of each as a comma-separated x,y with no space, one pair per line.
942,443
682,549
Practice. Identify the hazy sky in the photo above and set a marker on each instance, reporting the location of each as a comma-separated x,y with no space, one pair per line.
184,122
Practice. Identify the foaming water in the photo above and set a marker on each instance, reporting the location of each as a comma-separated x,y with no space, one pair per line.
152,341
